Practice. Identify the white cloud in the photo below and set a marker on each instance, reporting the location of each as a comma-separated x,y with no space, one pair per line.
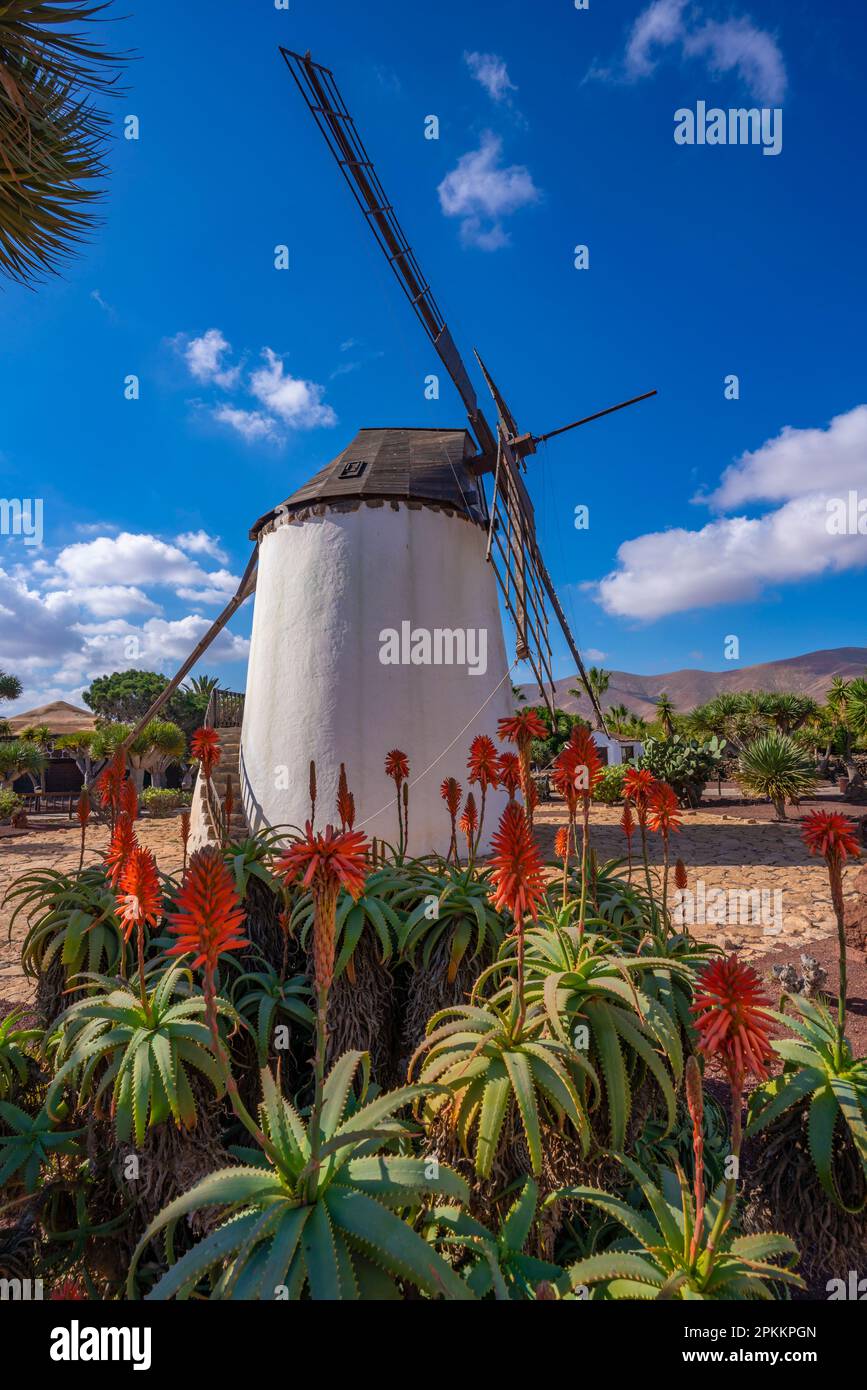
30,635
491,72
731,45
251,425
200,543
102,600
204,358
593,654
130,559
735,559
480,191
789,465
297,403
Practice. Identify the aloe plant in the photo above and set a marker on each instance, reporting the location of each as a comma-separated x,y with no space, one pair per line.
26,1153
663,1255
138,1053
489,1058
261,997
497,1263
72,918
372,910
342,1238
451,902
15,1062
585,984
819,1068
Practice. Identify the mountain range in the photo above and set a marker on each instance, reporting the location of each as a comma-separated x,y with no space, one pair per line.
810,674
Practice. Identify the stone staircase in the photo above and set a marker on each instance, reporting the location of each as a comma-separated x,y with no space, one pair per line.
230,757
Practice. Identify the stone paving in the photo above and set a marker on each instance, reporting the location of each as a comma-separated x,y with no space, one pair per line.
732,852
742,856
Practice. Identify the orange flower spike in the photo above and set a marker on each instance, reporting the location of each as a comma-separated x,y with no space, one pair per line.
521,728
582,757
517,879
482,764
731,1017
185,829
83,808
451,793
663,809
205,746
129,798
681,879
469,821
208,916
397,766
139,894
110,781
561,842
509,770
627,822
833,836
330,858
123,842
345,801
637,786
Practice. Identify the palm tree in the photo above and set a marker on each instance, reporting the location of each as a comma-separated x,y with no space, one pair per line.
666,714
598,681
80,745
18,757
846,701
52,136
10,686
789,712
205,685
774,766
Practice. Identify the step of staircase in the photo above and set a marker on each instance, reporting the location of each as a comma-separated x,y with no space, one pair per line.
230,755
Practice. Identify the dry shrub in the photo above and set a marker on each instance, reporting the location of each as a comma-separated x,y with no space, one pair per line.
783,1193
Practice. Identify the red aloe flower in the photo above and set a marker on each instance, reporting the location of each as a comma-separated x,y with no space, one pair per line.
83,807
561,842
397,767
681,879
469,822
517,878
637,786
109,783
123,842
580,760
627,822
450,791
208,916
139,893
732,1019
205,745
517,881
663,809
129,799
509,770
833,836
345,802
482,764
325,864
522,727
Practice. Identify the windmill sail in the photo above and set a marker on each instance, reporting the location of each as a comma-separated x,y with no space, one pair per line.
513,550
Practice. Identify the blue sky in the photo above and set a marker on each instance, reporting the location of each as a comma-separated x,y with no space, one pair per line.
556,129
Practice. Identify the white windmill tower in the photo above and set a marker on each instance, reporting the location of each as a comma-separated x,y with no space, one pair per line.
376,621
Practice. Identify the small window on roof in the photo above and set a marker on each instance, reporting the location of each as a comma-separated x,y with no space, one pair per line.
353,469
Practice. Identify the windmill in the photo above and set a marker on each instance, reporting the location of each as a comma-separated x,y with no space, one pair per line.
396,535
